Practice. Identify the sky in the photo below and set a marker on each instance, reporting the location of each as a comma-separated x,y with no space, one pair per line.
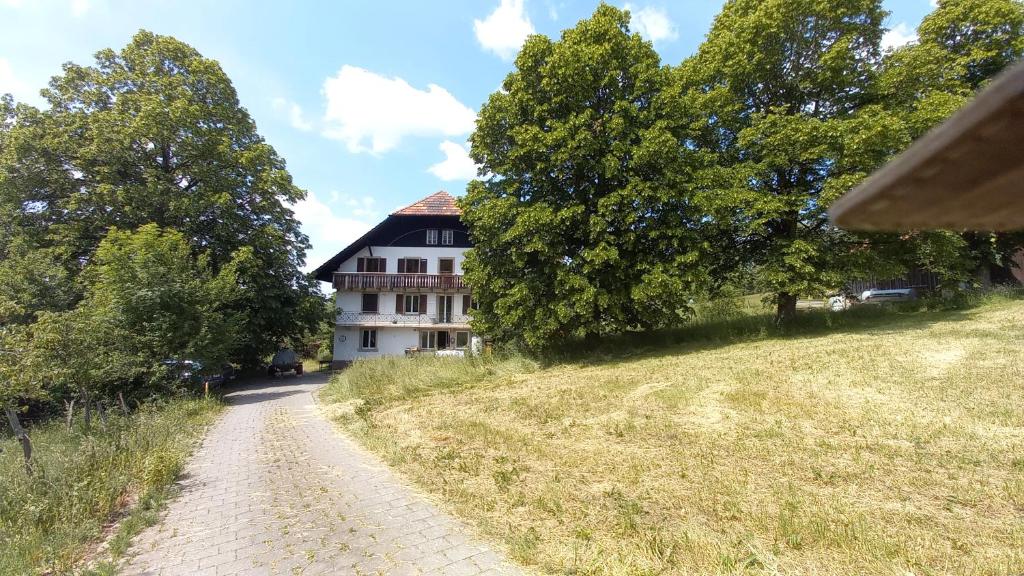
369,102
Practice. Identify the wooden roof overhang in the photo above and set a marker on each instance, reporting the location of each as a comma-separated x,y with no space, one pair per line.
967,173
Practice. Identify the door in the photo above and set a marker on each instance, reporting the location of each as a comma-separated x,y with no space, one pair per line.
443,342
444,309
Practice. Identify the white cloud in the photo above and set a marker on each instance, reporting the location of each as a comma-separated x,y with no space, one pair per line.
295,115
9,82
362,105
79,7
457,164
504,30
652,23
328,232
898,36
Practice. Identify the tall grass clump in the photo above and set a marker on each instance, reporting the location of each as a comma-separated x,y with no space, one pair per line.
84,477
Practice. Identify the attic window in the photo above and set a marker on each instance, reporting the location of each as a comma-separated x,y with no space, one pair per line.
447,237
431,236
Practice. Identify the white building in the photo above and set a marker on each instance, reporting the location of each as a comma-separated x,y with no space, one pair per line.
399,288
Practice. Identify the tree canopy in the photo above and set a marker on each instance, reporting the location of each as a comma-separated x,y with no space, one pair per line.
150,146
582,226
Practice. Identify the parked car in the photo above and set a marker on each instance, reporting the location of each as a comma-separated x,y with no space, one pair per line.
285,360
876,296
193,374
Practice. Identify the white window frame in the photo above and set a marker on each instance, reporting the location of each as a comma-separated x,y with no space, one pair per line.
428,337
412,304
368,339
448,259
447,237
432,237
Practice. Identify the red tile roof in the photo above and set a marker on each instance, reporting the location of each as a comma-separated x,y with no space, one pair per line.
437,204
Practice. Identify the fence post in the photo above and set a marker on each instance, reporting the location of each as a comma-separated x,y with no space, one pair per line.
22,436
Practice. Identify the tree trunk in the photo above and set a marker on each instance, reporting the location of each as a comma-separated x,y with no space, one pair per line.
102,413
124,406
785,308
87,414
22,436
70,409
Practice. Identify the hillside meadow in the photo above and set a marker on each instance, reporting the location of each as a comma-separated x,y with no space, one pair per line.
876,442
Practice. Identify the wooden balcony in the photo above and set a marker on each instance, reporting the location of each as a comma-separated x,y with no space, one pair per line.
363,281
460,321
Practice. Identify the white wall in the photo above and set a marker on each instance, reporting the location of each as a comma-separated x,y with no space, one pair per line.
393,253
390,342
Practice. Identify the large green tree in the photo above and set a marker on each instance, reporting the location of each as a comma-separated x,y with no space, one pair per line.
784,101
961,46
154,133
582,224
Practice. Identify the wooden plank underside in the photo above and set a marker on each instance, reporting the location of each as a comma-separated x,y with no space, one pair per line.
967,173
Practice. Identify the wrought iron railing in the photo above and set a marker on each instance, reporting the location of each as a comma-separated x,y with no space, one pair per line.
397,282
373,319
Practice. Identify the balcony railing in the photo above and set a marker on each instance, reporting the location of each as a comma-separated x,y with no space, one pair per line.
372,319
398,282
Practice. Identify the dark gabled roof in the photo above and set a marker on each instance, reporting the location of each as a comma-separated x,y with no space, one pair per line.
434,211
437,204
967,173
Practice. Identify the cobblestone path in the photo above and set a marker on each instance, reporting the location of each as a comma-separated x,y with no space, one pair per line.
275,489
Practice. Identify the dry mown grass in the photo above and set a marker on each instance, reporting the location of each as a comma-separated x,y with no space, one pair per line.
896,447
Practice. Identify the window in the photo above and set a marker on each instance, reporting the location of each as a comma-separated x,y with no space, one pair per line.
428,340
431,236
371,264
370,303
411,304
412,266
446,266
368,340
461,339
447,237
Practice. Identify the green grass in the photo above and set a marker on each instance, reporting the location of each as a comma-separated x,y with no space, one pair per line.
882,441
50,523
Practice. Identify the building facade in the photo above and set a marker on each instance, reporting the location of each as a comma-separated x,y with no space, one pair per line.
399,288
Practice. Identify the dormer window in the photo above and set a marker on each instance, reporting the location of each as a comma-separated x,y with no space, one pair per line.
447,237
432,237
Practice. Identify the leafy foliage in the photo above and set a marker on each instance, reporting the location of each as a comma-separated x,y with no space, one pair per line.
155,134
146,299
583,225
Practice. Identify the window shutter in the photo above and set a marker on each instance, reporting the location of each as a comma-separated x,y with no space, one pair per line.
423,303
465,303
361,265
399,304
401,265
423,266
383,265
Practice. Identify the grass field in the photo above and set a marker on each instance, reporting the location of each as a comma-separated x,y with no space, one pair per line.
875,443
50,522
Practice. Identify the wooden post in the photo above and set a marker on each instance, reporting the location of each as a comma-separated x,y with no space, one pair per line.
70,409
206,389
22,436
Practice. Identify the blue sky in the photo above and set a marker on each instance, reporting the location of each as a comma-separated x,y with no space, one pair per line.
370,103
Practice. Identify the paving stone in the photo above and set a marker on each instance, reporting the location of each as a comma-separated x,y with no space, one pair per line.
276,489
